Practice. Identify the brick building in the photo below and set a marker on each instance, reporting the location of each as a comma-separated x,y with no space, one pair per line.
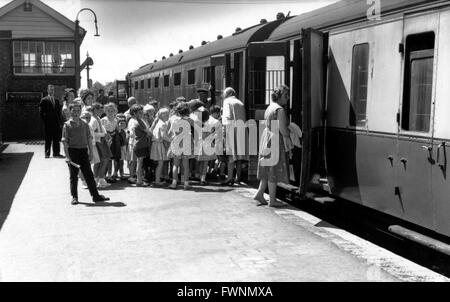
37,48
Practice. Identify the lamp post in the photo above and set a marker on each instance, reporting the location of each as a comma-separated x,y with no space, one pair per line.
77,45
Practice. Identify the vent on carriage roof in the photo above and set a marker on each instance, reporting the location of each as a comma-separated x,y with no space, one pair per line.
155,61
219,37
263,21
238,29
180,51
203,43
171,55
280,16
163,57
191,47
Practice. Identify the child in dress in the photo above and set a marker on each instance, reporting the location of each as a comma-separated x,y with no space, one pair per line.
161,142
149,165
101,137
123,141
110,123
140,132
208,143
177,151
220,163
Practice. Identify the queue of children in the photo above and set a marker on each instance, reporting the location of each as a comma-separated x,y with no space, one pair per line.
148,139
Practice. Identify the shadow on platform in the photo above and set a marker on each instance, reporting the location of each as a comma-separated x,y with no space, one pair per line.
13,168
104,204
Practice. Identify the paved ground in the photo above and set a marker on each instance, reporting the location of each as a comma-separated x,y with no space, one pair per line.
148,234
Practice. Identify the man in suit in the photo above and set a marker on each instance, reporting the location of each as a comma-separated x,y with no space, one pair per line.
50,110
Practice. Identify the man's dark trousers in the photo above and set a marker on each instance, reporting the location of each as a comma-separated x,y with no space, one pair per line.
52,137
81,157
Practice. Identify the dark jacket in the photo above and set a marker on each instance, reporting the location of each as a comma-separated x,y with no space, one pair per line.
51,114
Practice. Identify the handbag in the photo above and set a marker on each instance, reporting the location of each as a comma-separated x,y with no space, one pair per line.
103,149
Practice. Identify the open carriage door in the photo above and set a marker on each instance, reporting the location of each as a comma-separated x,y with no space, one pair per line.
268,67
313,102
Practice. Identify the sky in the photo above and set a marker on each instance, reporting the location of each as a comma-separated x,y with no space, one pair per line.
136,32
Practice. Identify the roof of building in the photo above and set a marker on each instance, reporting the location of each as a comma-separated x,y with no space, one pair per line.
45,8
339,13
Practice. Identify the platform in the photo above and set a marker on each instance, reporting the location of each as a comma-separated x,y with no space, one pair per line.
147,234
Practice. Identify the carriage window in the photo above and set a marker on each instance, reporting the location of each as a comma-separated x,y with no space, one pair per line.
177,79
149,83
142,84
360,77
166,80
136,85
419,58
207,75
191,77
156,82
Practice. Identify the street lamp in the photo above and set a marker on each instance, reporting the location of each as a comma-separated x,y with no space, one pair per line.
77,45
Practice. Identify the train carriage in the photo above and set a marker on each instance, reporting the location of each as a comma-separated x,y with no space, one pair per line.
370,94
213,65
368,87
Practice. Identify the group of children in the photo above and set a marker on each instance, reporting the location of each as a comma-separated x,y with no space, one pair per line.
143,138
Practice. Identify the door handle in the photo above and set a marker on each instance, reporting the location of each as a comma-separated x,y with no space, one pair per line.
404,160
428,148
441,155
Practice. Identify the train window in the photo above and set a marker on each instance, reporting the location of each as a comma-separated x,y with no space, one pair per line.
191,77
419,60
166,80
136,85
149,83
177,79
156,82
207,75
142,84
360,77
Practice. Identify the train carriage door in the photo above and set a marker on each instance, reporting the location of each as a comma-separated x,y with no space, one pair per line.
440,172
416,153
313,101
268,67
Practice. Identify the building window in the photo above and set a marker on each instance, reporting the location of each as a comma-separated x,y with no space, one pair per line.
38,57
156,82
136,85
418,88
177,79
360,77
207,75
166,80
142,84
191,77
149,83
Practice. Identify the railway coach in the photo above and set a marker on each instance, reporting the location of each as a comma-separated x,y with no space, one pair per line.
213,65
371,94
368,86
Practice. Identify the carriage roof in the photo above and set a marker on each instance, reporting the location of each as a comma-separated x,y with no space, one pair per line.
237,41
340,13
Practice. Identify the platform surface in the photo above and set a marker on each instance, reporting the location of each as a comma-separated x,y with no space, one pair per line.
156,234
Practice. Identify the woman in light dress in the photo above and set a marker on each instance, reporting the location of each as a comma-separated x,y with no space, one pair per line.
273,161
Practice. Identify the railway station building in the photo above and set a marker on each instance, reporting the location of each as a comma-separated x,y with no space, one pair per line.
37,48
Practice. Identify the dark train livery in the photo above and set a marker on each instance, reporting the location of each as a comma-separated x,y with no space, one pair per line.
371,93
